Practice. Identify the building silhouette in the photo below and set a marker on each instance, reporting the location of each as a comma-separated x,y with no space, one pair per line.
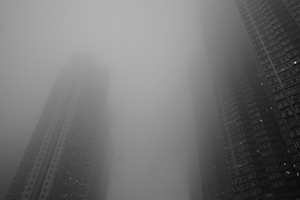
69,153
273,27
255,77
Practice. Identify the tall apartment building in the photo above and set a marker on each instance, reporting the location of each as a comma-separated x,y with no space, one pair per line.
257,101
273,27
68,154
256,153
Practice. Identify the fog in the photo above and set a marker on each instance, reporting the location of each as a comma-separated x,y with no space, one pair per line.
148,47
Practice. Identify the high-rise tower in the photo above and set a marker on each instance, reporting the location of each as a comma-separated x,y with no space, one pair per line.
273,27
68,156
256,92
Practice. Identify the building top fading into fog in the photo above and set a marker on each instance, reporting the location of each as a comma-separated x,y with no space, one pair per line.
69,152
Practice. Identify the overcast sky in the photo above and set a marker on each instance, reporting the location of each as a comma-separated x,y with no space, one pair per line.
147,45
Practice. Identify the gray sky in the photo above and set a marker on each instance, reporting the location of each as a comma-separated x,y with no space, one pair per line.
147,45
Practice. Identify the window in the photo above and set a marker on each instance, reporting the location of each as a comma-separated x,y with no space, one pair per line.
260,133
295,132
275,175
278,184
264,146
273,167
297,144
269,160
258,127
291,82
287,113
278,96
267,152
283,104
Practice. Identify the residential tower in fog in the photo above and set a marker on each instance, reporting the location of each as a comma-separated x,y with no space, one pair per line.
69,152
256,83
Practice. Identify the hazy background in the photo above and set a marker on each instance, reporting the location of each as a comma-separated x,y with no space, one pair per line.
148,46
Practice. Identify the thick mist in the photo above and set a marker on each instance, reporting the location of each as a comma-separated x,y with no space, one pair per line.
148,47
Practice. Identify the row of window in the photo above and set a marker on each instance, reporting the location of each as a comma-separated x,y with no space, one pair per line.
242,179
244,162
233,119
236,143
253,109
286,113
289,74
246,186
293,90
237,137
256,121
291,82
283,104
295,132
255,115
267,152
278,184
279,96
260,133
265,145
249,194
258,127
290,2
293,5
242,155
269,160
272,168
246,169
276,88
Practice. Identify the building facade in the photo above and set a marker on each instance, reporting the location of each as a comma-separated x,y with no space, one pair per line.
255,80
256,153
68,156
273,27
